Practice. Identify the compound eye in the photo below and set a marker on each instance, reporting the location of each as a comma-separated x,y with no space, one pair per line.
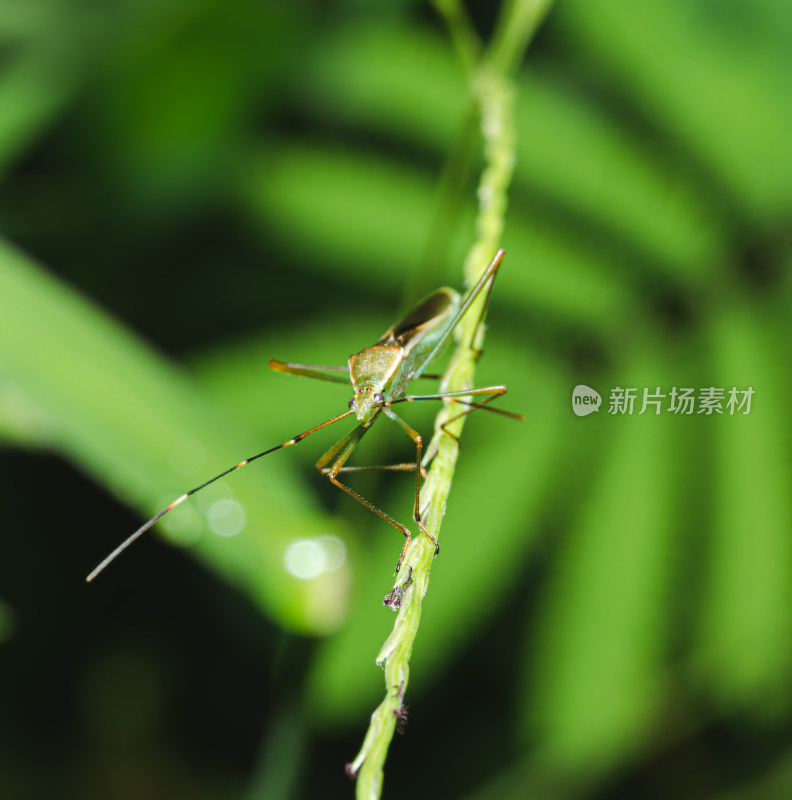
351,403
378,398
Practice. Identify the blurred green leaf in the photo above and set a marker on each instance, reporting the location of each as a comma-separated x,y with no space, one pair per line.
349,207
711,76
327,193
745,647
127,418
604,625
42,66
177,94
587,161
400,80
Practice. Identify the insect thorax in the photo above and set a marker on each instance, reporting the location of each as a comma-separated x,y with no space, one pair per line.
374,371
375,367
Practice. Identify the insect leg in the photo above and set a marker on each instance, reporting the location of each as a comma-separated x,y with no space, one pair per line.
416,437
338,454
431,376
410,467
493,269
460,398
487,276
311,370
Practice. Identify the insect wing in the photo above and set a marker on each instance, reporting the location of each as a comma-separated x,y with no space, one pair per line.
419,331
419,321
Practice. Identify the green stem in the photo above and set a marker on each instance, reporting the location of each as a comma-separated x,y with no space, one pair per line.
493,93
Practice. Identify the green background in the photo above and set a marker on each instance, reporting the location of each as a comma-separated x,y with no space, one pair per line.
190,188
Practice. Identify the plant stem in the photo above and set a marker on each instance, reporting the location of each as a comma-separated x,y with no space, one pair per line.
493,94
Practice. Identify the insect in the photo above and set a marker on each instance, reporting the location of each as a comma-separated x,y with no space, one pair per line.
379,376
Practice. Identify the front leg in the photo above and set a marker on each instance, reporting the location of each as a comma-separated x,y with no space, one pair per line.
338,454
416,437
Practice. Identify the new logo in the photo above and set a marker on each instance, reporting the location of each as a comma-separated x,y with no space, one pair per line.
585,400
